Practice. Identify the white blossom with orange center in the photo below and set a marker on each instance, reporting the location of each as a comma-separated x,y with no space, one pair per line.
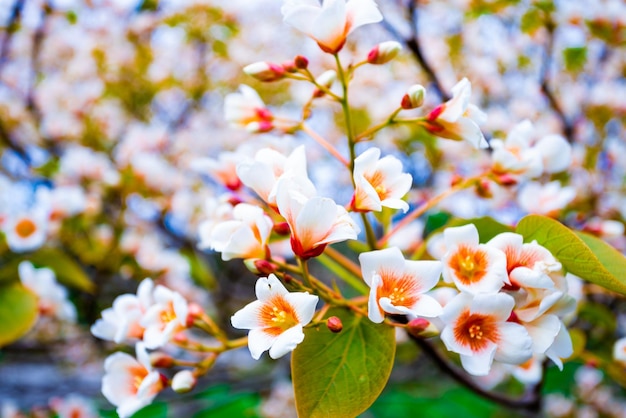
276,319
457,118
476,327
52,297
331,22
527,265
245,236
130,383
121,322
166,317
26,231
314,221
473,267
398,286
379,182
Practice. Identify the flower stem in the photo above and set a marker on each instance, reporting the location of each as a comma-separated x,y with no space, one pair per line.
325,144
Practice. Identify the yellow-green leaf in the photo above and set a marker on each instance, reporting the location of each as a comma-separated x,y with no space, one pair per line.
68,271
581,254
341,375
18,312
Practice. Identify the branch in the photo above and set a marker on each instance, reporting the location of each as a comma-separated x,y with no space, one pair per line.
414,46
12,25
568,129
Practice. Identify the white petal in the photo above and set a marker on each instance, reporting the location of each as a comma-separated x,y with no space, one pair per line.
266,287
543,331
461,235
373,310
372,262
248,316
479,364
561,348
258,342
426,306
304,305
556,153
287,341
515,345
362,12
498,305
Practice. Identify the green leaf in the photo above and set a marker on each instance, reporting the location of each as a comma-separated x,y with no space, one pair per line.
341,375
201,271
155,410
575,58
68,271
18,312
581,254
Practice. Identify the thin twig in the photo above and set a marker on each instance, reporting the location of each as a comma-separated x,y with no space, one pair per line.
568,129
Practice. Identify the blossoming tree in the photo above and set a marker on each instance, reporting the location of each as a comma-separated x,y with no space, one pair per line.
356,221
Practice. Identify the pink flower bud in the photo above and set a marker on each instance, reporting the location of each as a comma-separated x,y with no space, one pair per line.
416,326
334,324
265,71
384,52
414,97
259,266
183,381
282,228
301,62
161,360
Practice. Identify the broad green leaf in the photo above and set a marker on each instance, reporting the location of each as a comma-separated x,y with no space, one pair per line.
201,271
341,375
18,312
68,271
581,254
155,410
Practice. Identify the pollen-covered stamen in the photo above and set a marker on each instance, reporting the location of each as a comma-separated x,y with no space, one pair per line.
137,374
377,181
469,265
476,331
277,315
25,228
168,314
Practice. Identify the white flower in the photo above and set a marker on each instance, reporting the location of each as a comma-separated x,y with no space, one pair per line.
129,383
183,381
473,267
314,222
26,231
619,350
457,118
398,286
121,322
330,23
164,318
276,319
477,328
52,296
545,199
379,182
246,109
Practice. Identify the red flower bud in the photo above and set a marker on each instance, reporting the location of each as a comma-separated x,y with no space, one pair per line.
334,324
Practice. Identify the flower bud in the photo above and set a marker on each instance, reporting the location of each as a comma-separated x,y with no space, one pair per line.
183,381
161,360
483,189
414,97
506,180
384,52
334,324
289,66
265,71
301,62
416,326
260,266
259,127
282,228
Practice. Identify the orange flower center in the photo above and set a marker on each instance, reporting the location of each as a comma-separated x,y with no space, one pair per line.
277,315
401,291
137,375
25,228
476,330
377,181
470,265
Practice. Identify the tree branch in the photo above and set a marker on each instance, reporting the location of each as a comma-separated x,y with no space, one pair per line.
568,129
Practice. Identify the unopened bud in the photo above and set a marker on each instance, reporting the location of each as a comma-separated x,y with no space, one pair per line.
282,228
259,127
265,71
417,326
506,180
456,179
384,52
260,266
194,312
289,66
334,324
183,381
161,360
301,62
414,97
